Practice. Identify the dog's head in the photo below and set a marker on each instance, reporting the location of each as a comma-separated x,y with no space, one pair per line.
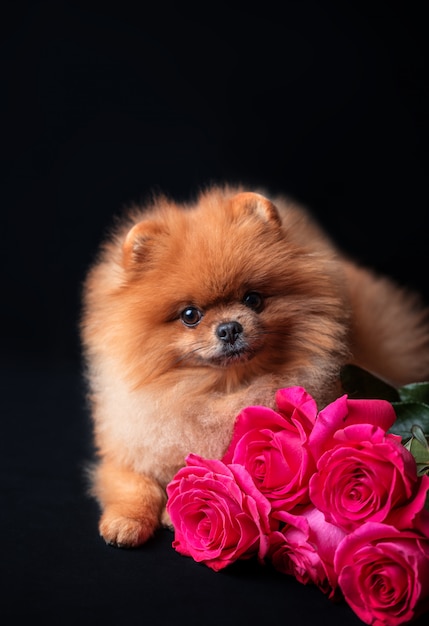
227,287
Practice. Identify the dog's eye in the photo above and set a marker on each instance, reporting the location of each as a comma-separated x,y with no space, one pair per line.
191,316
254,301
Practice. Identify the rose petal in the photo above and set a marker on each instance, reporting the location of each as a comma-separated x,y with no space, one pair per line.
217,512
344,412
384,573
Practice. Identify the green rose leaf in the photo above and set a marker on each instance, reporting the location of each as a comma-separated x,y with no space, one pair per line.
409,414
419,436
415,392
419,448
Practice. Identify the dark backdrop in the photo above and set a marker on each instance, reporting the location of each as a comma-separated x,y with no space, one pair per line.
104,102
326,101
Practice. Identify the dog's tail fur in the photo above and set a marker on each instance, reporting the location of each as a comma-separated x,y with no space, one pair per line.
389,328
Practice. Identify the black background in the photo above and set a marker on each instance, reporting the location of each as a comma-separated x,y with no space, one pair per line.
102,103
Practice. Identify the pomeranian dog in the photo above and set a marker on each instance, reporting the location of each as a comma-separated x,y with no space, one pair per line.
193,312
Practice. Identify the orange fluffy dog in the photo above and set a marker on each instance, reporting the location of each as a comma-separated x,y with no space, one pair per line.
193,312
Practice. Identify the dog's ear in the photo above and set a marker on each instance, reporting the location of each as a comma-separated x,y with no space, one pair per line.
139,244
249,203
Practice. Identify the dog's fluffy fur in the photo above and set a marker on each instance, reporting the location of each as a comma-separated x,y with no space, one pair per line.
193,312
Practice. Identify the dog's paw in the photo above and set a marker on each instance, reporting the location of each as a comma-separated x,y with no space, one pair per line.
166,520
125,532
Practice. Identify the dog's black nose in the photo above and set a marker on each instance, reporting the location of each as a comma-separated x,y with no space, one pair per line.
229,331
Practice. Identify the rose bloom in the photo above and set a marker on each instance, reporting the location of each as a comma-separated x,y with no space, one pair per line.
218,514
344,412
305,548
364,473
272,446
383,573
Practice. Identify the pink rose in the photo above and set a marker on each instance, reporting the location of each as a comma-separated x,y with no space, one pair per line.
273,447
305,548
383,573
218,514
367,475
344,412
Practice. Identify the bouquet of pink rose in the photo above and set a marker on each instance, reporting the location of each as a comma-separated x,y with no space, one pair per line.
334,498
